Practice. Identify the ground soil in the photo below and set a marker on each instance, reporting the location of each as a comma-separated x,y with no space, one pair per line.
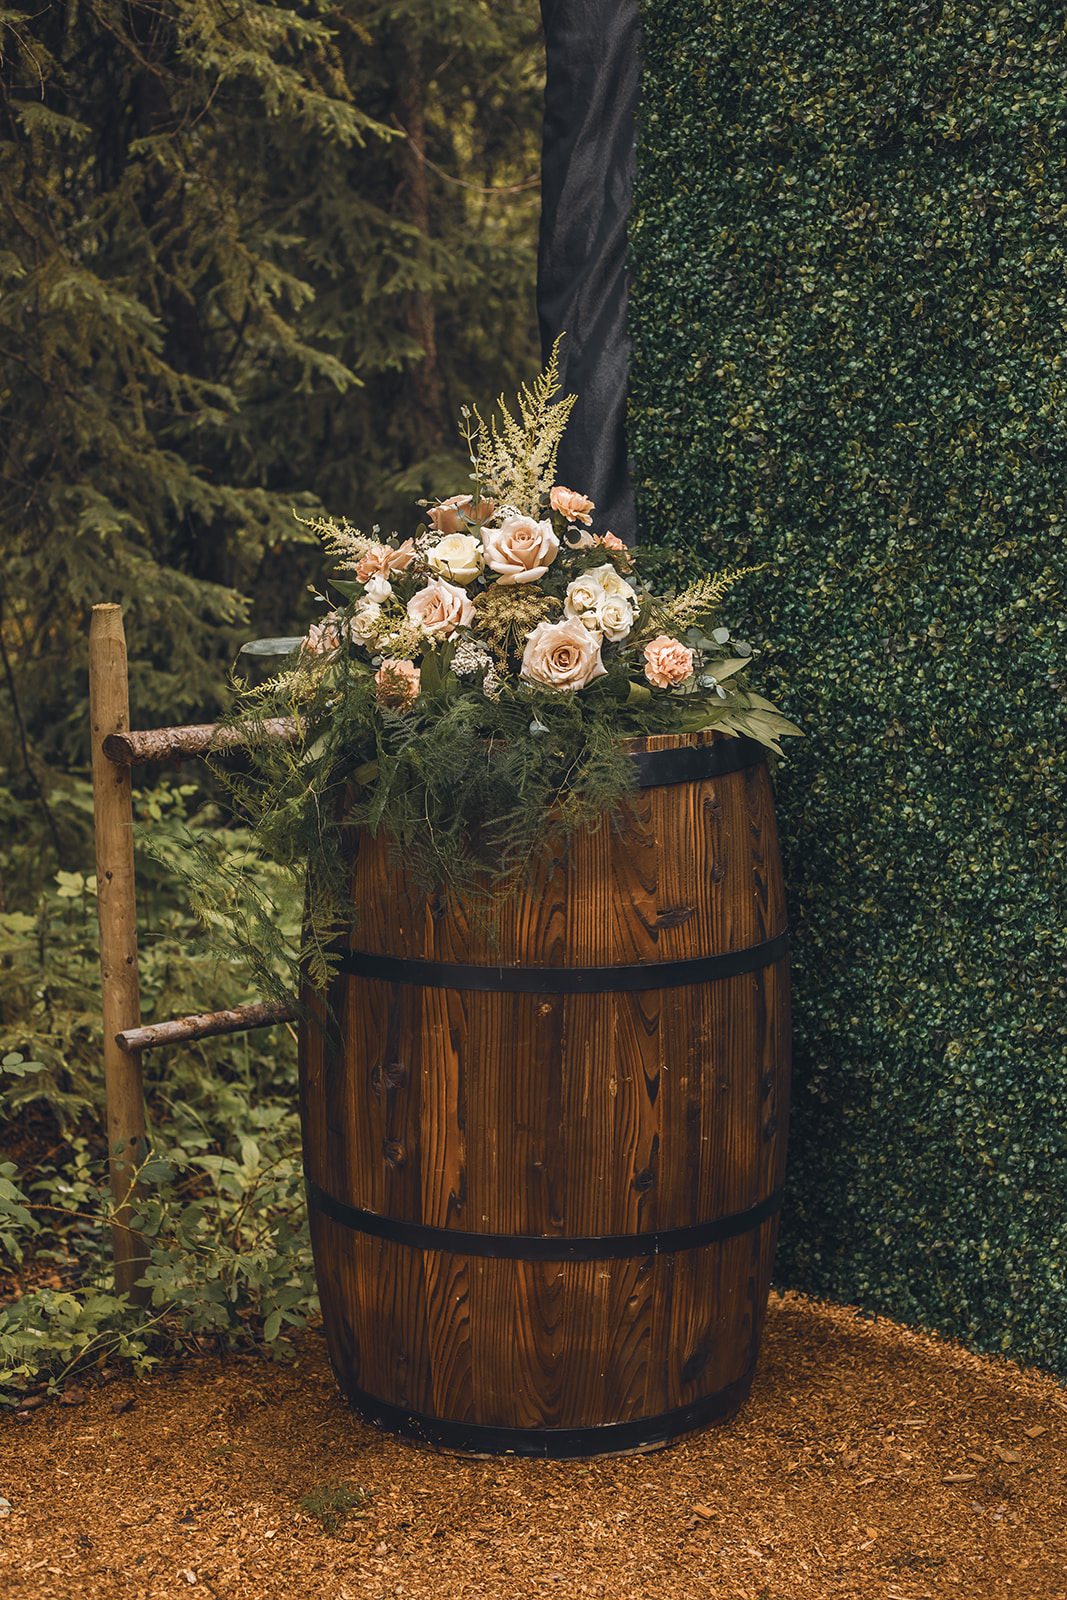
870,1461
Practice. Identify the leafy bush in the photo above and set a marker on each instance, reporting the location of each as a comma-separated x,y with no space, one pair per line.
224,1217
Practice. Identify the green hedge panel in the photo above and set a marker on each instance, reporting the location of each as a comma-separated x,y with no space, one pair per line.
850,316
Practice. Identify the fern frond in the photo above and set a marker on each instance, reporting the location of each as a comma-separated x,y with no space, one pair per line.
698,603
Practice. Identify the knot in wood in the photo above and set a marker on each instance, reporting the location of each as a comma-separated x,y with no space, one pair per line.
394,1153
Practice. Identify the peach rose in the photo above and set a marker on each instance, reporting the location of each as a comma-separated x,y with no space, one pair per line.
451,515
610,542
441,608
383,559
667,662
397,683
520,550
562,655
575,507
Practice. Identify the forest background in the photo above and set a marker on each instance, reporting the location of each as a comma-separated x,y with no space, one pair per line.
253,258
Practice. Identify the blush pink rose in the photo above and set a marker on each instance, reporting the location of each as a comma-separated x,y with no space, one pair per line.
397,683
441,608
381,559
451,515
322,637
520,550
575,507
667,662
563,655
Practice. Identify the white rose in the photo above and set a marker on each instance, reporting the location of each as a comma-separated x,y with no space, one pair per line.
615,616
441,608
457,557
362,625
583,595
377,589
562,655
611,583
520,550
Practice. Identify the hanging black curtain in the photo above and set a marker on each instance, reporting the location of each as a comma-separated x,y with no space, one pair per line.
587,179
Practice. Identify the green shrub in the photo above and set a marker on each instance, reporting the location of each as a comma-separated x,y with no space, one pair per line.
224,1215
849,313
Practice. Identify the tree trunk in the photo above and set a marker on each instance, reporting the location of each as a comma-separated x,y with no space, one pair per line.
424,376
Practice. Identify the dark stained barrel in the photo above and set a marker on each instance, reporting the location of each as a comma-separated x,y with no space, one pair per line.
544,1174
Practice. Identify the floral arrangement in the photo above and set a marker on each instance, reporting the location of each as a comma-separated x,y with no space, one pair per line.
471,687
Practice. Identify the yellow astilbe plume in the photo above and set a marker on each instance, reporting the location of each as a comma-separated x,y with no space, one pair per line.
516,462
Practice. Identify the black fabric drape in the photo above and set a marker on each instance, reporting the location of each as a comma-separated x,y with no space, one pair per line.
587,177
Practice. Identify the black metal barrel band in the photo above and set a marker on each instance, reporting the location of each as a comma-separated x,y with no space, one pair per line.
689,763
543,1247
606,1438
564,980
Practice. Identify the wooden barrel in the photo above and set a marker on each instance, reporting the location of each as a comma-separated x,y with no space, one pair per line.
544,1174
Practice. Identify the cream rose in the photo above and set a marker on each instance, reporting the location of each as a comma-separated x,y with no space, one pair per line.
361,626
397,683
615,617
383,559
611,583
378,589
452,514
520,550
441,608
575,507
584,597
667,662
562,655
457,557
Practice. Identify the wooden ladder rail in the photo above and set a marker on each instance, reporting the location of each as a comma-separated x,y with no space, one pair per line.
115,750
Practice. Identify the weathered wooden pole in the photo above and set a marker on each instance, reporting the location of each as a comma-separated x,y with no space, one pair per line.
109,709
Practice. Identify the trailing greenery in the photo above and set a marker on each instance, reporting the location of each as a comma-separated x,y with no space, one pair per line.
850,310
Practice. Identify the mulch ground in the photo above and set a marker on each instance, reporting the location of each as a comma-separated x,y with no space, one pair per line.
870,1461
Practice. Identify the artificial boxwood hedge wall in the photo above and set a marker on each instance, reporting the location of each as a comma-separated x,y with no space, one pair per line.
850,326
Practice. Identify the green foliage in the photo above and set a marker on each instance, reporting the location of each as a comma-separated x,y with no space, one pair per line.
331,1503
224,1214
849,311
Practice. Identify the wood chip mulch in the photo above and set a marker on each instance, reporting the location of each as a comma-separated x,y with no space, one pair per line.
871,1461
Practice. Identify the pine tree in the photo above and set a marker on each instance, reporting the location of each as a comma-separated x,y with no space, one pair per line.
234,281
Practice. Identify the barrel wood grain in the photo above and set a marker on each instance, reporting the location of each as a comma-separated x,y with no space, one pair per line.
559,1116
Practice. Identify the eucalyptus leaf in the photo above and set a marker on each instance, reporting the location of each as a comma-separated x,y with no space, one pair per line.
271,647
721,670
